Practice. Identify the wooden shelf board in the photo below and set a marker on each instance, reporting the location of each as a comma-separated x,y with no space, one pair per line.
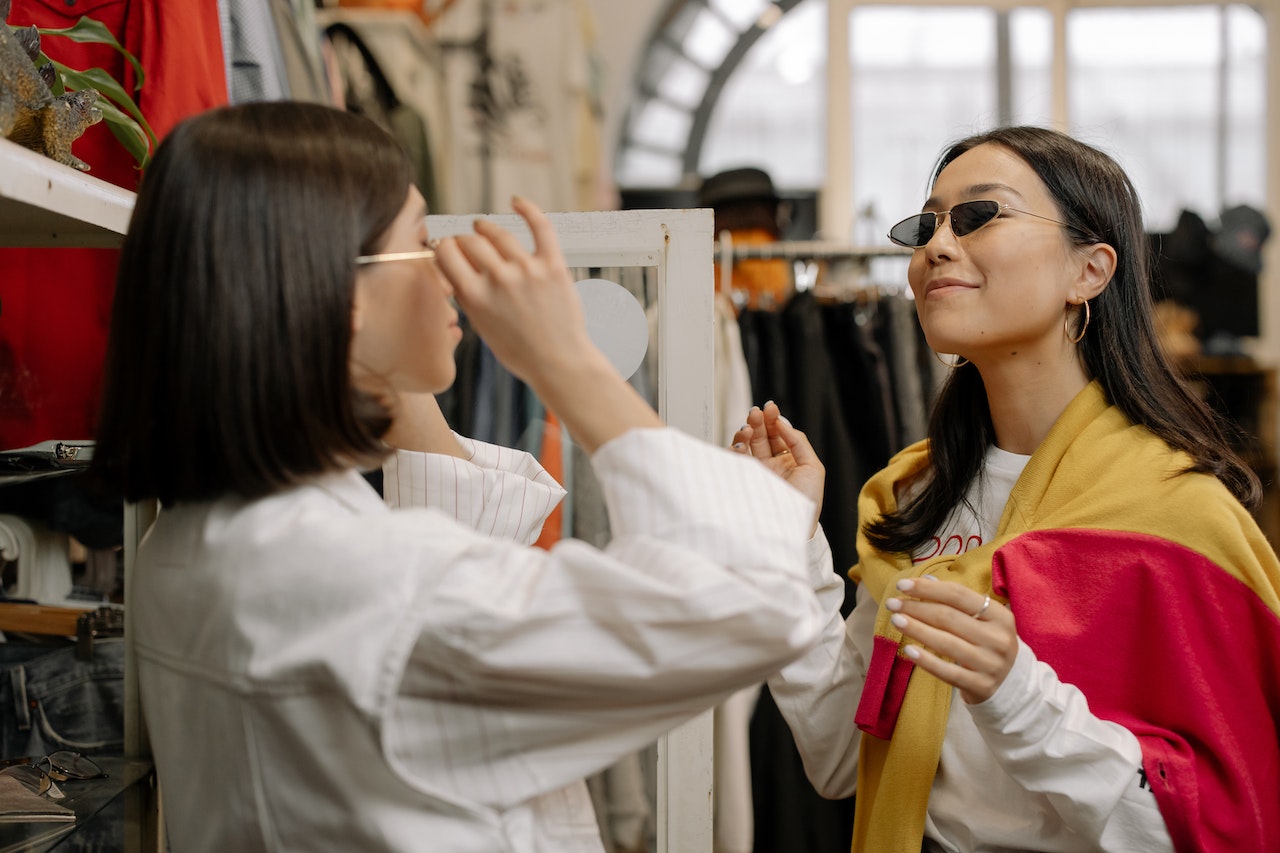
44,203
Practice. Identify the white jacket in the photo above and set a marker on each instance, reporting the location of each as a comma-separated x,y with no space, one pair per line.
320,671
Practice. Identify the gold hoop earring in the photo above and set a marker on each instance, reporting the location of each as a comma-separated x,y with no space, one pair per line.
1066,325
951,364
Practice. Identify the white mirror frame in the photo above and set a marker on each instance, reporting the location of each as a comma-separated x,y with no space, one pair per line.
678,244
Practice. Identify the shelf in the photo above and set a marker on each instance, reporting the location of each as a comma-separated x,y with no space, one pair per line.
44,203
88,798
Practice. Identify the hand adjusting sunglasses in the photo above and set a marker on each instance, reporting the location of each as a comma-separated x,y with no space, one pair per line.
968,216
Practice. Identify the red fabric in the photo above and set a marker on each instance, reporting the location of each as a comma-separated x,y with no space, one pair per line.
55,303
887,677
1148,629
552,459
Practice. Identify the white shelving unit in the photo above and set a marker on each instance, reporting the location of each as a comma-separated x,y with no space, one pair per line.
46,204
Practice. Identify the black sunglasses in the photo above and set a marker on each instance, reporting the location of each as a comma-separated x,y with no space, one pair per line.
968,216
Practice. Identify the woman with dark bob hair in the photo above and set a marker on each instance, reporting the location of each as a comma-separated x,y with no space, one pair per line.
320,670
1067,633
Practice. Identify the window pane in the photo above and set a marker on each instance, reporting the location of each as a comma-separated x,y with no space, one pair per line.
771,112
674,77
638,167
708,40
922,76
1144,84
1245,132
743,13
1031,49
661,125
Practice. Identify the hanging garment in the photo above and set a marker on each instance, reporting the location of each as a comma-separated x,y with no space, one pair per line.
390,73
55,303
253,51
522,120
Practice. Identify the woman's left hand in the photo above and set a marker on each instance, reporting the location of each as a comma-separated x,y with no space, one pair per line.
784,450
969,640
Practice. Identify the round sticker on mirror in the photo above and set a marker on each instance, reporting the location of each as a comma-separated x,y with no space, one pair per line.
616,323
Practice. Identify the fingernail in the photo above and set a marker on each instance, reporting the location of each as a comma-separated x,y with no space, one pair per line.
738,445
744,426
912,652
893,603
782,419
770,403
905,584
898,620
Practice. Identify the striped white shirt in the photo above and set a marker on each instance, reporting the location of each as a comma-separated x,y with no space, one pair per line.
322,671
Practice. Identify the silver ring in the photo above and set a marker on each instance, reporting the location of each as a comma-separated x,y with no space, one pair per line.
986,602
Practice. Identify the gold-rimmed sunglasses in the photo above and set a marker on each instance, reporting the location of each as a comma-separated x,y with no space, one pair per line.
39,774
395,256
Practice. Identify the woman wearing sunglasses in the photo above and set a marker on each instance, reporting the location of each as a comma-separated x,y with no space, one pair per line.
1067,635
322,672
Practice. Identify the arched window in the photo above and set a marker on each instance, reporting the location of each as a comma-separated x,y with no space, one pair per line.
1177,93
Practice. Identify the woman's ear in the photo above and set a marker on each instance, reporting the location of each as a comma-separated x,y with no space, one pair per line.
1099,265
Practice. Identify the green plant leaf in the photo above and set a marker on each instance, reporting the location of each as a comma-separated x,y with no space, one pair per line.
96,78
88,31
128,131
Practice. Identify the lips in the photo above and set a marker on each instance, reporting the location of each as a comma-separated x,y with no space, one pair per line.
946,285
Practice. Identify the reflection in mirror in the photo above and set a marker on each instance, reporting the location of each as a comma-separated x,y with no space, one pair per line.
488,403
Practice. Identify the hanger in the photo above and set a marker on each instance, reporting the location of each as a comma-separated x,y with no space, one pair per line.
87,626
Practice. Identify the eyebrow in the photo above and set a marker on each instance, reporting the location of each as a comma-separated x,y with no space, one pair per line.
977,190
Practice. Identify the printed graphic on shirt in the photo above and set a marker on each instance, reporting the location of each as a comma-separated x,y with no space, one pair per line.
954,544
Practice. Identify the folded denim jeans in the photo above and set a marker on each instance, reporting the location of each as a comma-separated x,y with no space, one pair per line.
49,700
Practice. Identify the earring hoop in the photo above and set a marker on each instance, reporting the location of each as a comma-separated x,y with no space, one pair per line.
960,362
1066,325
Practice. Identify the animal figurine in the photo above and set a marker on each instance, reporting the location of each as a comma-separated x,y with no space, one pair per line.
30,114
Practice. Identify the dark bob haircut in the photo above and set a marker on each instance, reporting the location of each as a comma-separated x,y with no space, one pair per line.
227,367
1121,348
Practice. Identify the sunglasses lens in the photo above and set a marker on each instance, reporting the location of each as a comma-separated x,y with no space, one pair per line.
32,778
972,215
914,231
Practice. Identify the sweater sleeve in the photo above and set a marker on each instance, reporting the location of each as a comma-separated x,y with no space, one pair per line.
1045,737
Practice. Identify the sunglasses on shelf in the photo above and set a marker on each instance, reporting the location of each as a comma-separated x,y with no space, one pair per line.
916,231
38,774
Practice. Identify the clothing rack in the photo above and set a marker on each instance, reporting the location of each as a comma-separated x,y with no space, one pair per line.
807,252
802,250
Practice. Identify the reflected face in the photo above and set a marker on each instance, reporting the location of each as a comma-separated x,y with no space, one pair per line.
1002,289
405,328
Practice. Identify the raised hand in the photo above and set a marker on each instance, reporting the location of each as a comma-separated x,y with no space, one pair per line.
783,449
523,304
526,308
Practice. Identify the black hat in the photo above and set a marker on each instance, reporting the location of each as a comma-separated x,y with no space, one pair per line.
746,184
1241,233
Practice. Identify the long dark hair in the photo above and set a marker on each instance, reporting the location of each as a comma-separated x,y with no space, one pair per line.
1121,350
227,360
